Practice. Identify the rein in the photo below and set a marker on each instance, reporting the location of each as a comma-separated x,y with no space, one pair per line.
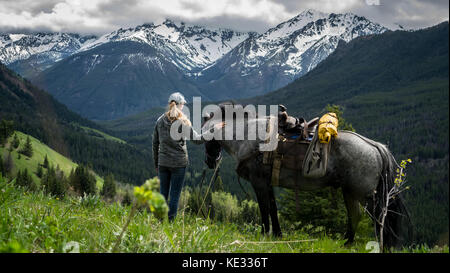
213,179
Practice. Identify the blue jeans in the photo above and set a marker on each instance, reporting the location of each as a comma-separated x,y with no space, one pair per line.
171,180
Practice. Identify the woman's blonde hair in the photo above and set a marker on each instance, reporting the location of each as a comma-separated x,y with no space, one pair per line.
174,113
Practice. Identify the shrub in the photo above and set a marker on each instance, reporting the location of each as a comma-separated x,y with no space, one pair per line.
195,200
127,199
89,201
109,187
183,203
320,208
249,212
225,206
145,196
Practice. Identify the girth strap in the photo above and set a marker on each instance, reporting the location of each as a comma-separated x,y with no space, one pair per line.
276,168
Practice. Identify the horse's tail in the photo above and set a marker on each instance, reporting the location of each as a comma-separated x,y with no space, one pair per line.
397,229
397,226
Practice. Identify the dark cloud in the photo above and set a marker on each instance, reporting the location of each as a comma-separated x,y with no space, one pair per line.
101,16
31,6
409,13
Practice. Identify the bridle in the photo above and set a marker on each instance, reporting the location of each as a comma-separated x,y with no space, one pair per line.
211,160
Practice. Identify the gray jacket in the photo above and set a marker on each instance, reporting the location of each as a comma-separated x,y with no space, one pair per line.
167,151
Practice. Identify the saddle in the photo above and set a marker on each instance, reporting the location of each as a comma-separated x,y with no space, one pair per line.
298,148
293,127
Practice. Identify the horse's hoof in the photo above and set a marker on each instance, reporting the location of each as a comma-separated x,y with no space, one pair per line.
348,242
278,234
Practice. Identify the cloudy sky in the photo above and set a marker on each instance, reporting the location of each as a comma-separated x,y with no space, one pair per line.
103,16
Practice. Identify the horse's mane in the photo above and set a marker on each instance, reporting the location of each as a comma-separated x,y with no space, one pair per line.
234,104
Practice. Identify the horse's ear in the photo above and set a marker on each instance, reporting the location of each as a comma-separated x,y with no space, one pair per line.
206,117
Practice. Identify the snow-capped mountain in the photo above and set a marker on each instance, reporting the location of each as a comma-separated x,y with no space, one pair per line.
189,47
131,70
38,51
291,49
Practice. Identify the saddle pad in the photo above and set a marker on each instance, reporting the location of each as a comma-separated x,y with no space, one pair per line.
290,152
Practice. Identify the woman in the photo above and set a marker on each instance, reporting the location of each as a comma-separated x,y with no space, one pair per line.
171,156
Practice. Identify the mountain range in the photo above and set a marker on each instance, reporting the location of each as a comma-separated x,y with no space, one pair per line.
30,54
130,70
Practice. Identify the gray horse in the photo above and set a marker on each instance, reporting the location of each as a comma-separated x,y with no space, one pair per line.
363,168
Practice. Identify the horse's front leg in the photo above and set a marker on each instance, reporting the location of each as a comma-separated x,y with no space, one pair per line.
276,229
262,197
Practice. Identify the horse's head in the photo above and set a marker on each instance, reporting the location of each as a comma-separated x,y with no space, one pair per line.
213,150
232,114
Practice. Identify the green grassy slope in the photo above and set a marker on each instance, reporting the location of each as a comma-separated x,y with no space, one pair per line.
40,150
100,134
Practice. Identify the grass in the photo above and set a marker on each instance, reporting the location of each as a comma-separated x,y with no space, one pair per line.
40,150
36,222
99,134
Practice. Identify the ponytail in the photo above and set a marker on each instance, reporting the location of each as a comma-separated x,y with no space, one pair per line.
174,113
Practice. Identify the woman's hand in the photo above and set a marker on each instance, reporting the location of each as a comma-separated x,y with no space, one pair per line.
219,125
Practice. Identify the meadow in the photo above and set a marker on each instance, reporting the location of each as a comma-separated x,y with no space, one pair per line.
31,220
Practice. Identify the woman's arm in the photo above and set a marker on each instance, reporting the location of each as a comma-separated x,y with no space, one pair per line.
155,146
199,138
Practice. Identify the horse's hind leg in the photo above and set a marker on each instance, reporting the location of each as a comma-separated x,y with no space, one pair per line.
276,230
353,216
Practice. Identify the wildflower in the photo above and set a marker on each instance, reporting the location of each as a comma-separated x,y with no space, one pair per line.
154,200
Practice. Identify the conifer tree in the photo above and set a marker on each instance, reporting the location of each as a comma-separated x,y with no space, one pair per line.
28,148
54,184
39,171
25,180
15,142
83,181
6,129
45,164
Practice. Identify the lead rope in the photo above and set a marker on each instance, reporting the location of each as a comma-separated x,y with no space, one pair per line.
200,187
213,178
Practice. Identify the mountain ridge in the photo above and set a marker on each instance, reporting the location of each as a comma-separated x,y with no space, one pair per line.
130,70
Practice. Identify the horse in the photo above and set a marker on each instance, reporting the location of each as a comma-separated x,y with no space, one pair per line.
364,169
